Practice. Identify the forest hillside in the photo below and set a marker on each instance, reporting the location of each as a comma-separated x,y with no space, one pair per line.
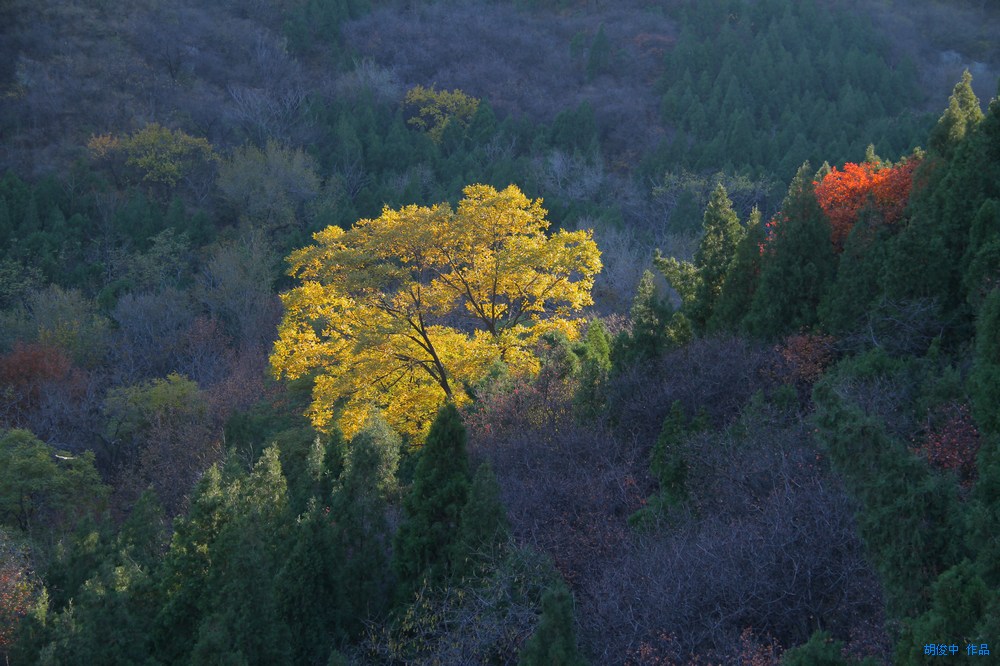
499,332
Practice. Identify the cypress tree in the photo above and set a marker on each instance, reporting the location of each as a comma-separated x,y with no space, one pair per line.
432,508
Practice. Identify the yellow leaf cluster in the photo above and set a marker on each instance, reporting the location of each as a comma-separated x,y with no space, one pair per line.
162,155
436,109
407,310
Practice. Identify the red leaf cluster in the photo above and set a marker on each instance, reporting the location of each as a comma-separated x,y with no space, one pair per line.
30,372
771,228
756,650
803,359
843,193
950,441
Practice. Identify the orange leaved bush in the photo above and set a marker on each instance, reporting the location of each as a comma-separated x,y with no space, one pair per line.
844,192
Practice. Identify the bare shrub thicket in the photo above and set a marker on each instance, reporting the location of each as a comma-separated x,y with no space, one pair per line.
715,375
528,63
148,333
482,620
235,287
626,252
945,39
766,540
87,68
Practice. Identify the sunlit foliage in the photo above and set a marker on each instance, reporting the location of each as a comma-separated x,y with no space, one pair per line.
406,310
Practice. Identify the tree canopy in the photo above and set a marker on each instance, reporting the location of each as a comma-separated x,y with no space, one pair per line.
405,310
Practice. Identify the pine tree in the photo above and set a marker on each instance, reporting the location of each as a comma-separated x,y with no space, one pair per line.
484,528
554,640
798,265
432,509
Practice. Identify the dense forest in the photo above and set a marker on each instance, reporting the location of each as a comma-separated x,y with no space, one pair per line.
499,332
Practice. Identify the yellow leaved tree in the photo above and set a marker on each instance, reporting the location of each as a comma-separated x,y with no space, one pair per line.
405,311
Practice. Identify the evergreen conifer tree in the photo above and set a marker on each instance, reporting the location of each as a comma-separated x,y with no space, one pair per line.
742,276
667,461
554,640
240,614
649,336
183,576
722,234
358,508
432,508
982,258
984,383
599,56
798,265
484,528
857,284
962,605
595,366
930,255
961,116
309,584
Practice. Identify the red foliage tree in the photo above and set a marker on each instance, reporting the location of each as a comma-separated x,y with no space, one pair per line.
843,193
